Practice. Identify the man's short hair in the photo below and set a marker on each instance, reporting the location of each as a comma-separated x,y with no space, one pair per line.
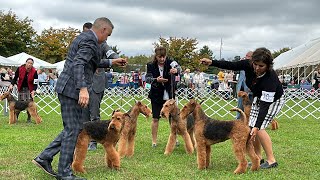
87,25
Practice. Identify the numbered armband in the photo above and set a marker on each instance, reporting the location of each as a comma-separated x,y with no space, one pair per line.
267,96
35,81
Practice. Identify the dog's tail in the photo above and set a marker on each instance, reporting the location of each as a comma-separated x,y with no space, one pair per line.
243,116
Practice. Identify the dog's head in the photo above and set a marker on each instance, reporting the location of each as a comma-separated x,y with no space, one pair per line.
188,108
242,94
168,107
5,95
144,109
117,121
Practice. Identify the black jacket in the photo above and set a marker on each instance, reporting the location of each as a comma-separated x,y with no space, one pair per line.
157,89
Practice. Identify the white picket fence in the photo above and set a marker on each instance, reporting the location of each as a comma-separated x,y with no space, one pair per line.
299,102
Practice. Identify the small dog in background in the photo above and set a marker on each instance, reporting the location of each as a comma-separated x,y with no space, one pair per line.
15,107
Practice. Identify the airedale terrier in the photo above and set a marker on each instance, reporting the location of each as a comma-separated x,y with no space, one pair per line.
106,133
246,102
15,107
127,137
177,126
209,131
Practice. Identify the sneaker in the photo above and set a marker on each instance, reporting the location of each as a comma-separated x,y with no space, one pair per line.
261,162
266,165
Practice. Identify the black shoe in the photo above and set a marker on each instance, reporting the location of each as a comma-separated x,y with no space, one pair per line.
250,163
266,165
45,165
92,146
71,177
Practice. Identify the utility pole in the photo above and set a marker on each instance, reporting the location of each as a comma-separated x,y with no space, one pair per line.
220,48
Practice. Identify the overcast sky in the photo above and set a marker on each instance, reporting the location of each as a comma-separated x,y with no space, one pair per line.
242,24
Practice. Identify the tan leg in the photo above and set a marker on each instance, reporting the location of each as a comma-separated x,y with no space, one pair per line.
33,113
12,116
240,153
154,130
80,152
112,156
253,156
187,142
266,143
208,157
171,142
130,150
122,144
201,154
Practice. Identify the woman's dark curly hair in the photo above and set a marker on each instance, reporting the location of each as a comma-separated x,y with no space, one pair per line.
263,54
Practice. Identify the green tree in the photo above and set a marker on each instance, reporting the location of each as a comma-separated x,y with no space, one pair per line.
205,51
280,51
52,45
16,34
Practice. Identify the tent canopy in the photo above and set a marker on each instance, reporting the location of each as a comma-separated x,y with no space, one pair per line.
60,65
8,62
38,63
304,55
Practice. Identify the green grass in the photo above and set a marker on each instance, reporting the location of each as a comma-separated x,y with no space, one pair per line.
295,143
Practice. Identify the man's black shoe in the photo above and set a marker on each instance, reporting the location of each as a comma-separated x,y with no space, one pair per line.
71,177
45,165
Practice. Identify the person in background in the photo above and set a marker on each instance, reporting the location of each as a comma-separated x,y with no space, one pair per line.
26,79
159,73
241,85
268,98
316,78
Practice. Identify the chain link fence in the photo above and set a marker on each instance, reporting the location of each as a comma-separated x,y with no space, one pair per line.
300,102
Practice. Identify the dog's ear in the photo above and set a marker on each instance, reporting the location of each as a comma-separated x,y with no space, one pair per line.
116,110
172,101
138,102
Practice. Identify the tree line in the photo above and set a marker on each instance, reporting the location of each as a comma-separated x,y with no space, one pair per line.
17,35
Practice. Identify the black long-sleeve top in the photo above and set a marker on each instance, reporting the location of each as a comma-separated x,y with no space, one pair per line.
267,88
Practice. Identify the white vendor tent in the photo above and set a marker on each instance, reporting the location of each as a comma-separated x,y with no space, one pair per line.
300,61
59,66
8,62
38,63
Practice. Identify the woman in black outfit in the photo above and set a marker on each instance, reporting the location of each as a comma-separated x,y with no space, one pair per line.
268,97
160,70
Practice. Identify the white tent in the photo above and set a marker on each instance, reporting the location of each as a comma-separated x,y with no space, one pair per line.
304,55
59,66
38,63
300,61
7,62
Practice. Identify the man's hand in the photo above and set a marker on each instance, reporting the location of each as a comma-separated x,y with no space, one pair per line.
83,97
205,61
120,62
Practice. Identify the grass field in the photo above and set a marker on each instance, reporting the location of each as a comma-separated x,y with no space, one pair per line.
296,147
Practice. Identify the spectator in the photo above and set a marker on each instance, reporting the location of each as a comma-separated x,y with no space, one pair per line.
241,85
26,78
316,78
160,70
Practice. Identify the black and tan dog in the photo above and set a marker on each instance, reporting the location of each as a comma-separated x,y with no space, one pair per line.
15,107
128,133
178,125
246,102
209,131
106,133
